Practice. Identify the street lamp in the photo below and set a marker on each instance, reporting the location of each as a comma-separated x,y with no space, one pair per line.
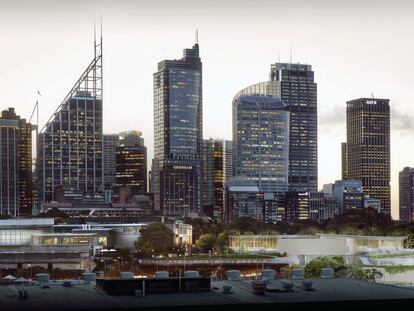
121,262
104,262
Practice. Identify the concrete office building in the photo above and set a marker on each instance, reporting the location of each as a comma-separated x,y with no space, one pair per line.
178,135
406,194
297,89
368,147
16,181
70,143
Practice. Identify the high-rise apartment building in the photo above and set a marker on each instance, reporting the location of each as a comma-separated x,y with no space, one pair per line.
131,163
261,141
16,184
406,194
297,89
178,137
368,147
217,163
110,143
71,144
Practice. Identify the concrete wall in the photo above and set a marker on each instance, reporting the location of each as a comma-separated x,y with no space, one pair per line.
313,247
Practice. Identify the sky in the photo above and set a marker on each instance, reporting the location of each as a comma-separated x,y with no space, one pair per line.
356,48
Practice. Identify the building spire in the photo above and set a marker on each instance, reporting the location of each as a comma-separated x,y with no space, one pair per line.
196,36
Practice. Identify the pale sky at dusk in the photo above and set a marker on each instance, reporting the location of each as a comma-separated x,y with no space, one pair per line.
355,48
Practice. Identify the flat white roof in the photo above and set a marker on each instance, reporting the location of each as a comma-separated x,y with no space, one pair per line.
26,222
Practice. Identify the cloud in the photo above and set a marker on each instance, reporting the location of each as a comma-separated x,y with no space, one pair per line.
402,122
331,118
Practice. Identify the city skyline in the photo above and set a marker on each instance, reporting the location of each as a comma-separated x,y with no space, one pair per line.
340,77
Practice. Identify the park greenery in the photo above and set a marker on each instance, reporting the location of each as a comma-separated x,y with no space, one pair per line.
337,263
212,237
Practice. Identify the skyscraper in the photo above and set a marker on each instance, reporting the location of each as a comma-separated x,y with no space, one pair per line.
16,184
344,161
110,143
217,163
406,193
368,147
297,89
131,163
261,141
178,136
71,143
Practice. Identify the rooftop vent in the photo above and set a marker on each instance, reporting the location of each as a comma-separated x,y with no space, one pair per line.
161,275
127,275
233,275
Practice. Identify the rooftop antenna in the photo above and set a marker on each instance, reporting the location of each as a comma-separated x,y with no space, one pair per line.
278,56
372,95
196,36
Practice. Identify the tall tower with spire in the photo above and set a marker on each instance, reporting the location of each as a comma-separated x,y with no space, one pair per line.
70,143
178,134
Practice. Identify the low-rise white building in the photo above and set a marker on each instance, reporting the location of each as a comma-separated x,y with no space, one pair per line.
309,246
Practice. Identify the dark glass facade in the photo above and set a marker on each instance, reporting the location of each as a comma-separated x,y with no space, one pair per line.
131,163
368,147
71,143
110,143
16,180
217,163
298,91
177,167
406,194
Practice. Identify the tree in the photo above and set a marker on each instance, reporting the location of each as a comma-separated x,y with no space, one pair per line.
156,239
206,241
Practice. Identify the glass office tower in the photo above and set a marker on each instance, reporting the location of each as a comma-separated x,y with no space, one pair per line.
178,138
298,90
261,141
131,163
217,163
70,144
16,184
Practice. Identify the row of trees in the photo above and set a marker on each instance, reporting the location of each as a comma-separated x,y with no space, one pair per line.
157,239
337,263
365,221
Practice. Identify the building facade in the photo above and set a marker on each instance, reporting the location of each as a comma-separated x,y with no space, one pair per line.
16,180
297,205
344,161
131,163
349,194
298,90
217,163
110,143
178,137
368,147
261,141
70,143
406,194
243,199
